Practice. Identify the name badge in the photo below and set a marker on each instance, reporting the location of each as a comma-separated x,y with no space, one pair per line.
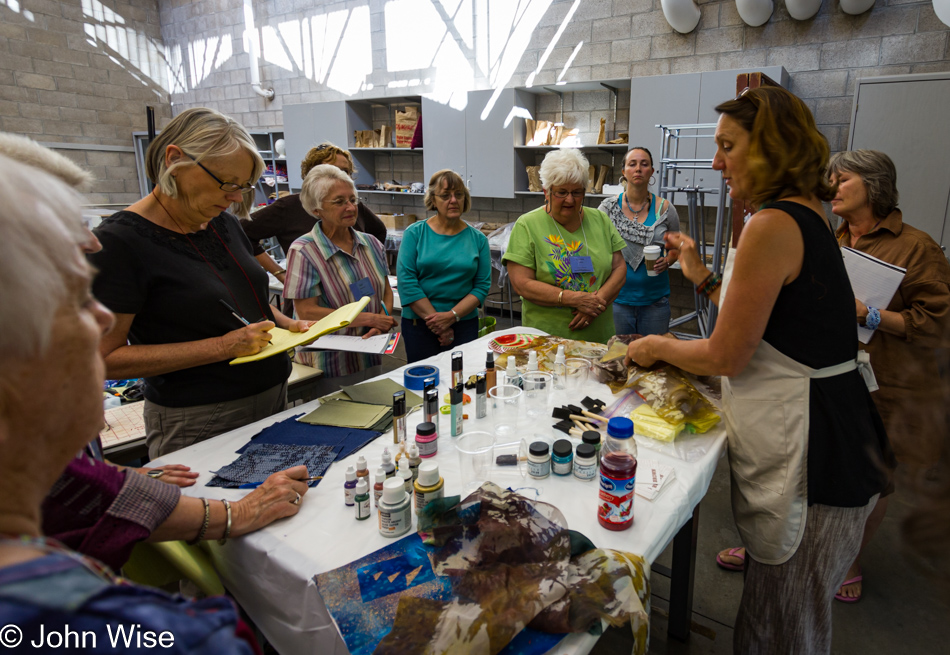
581,264
362,288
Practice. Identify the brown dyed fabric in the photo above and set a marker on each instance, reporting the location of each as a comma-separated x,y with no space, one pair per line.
911,397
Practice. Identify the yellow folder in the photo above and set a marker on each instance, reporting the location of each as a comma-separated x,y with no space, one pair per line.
284,340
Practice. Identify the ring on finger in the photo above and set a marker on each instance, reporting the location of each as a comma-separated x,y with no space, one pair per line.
296,501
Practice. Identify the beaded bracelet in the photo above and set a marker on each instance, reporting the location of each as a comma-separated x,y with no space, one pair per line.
873,319
227,528
708,286
204,525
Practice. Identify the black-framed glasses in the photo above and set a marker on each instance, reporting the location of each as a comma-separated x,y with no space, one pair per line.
561,194
230,187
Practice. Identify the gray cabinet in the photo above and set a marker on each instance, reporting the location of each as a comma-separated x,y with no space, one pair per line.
309,125
905,116
443,138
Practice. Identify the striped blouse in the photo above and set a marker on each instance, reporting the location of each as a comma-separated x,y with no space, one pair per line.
318,268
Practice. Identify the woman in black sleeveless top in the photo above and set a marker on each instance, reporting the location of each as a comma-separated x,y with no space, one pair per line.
807,449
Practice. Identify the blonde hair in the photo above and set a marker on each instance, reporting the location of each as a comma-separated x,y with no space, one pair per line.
453,182
318,183
325,153
39,254
788,156
878,173
200,133
564,166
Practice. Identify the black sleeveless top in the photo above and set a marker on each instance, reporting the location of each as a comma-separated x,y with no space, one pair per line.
813,322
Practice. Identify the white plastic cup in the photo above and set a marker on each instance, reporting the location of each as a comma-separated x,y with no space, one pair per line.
505,402
476,456
650,255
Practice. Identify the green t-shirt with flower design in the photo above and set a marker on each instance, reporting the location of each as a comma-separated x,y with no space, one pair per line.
544,246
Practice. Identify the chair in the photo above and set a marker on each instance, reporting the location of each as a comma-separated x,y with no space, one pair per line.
162,563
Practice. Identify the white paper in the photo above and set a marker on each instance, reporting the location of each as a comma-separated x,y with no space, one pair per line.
874,282
374,345
652,478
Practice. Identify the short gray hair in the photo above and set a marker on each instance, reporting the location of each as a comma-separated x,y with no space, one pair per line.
878,173
42,232
564,166
201,133
318,183
27,151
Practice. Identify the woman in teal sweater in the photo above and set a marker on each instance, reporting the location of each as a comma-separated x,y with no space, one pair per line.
444,272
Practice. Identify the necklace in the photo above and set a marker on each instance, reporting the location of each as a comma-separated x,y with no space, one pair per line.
213,270
48,545
636,212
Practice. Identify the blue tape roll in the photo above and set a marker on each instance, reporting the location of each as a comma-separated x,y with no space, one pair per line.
415,376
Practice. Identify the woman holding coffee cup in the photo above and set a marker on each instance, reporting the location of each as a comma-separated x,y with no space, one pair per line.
641,218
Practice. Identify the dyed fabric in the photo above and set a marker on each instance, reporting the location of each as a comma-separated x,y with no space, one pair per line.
442,268
318,268
510,563
102,512
261,460
295,433
539,243
55,591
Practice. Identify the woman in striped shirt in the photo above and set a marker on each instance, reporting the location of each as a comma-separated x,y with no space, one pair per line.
333,265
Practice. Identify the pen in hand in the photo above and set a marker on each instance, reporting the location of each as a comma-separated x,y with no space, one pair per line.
233,312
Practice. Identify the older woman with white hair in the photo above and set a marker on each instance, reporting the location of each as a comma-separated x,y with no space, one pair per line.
565,259
188,295
52,344
334,265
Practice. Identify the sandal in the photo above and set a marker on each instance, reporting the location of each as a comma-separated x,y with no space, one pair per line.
849,599
738,553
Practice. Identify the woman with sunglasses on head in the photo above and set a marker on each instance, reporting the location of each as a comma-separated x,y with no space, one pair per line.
565,259
808,452
333,265
178,272
444,272
641,218
287,220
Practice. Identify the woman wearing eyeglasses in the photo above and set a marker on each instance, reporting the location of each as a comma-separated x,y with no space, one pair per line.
333,265
188,295
286,219
565,259
444,272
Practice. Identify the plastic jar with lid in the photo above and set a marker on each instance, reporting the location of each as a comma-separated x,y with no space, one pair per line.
539,460
427,439
562,458
585,462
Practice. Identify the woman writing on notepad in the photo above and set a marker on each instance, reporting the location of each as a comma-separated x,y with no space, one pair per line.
180,275
334,265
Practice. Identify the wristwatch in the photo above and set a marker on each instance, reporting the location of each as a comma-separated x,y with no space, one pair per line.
873,319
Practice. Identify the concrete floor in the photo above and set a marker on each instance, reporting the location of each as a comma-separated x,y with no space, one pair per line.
902,611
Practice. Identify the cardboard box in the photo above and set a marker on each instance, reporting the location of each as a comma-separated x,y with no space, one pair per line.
397,221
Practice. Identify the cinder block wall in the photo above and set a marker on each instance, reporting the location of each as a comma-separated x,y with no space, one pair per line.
82,73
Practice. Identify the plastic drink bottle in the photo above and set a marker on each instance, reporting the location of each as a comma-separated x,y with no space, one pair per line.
618,473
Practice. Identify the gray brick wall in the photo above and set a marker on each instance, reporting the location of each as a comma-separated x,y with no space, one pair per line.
74,72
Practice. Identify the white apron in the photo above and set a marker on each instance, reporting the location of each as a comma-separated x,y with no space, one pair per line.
766,408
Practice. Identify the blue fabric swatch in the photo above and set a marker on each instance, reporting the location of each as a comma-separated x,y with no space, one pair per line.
259,461
292,432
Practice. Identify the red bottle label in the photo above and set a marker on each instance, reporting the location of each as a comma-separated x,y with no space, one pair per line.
616,500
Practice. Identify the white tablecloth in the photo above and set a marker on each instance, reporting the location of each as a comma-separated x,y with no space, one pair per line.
271,571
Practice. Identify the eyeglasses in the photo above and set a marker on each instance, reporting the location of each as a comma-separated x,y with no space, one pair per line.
561,194
445,197
342,202
230,187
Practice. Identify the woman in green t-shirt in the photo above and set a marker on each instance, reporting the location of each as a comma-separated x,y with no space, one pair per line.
564,259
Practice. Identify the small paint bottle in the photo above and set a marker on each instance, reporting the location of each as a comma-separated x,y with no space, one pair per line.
387,464
457,368
399,418
429,486
491,376
431,403
361,500
414,460
395,509
585,462
404,474
378,487
562,459
349,487
593,438
481,397
456,396
427,439
539,460
362,471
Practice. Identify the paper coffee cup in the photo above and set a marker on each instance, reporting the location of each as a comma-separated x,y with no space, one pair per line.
650,255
